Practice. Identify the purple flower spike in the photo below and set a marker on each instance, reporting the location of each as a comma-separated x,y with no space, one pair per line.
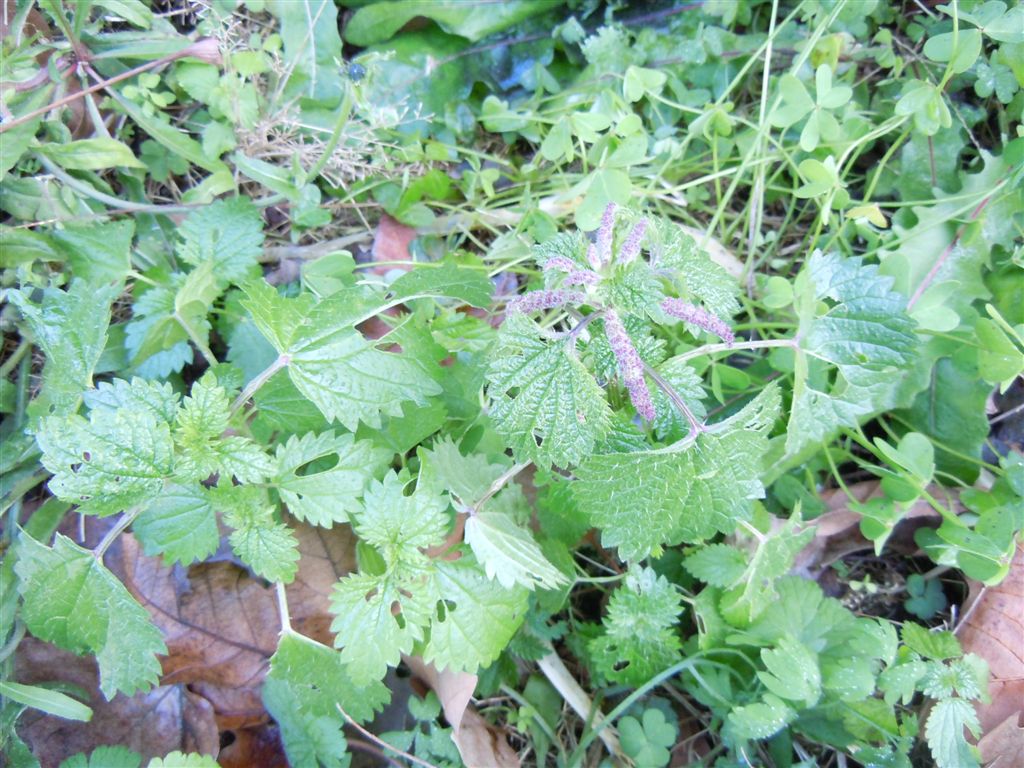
604,235
631,367
694,315
592,259
582,277
631,248
561,263
538,300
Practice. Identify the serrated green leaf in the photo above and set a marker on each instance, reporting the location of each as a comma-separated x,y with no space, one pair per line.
99,252
467,478
899,682
473,618
159,398
71,600
228,234
109,462
179,524
691,270
71,329
865,332
509,553
717,564
447,280
640,638
400,526
269,548
323,496
305,684
330,362
370,635
156,341
939,645
945,733
647,499
773,558
539,390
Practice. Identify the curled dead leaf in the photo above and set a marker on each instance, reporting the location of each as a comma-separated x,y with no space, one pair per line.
167,718
993,628
480,744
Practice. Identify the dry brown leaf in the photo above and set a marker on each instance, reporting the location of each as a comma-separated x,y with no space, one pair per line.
481,745
1003,746
993,628
221,624
167,718
326,556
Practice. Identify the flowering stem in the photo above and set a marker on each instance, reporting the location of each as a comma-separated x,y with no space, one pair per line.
709,349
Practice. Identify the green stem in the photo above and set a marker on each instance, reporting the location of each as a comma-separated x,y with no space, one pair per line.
282,607
122,525
696,426
258,381
201,345
709,349
125,205
11,362
332,143
575,759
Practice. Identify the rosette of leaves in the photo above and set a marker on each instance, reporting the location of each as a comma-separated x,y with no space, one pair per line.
552,388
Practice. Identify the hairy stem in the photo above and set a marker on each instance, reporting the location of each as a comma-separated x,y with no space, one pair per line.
696,427
282,607
122,525
497,485
709,349
258,381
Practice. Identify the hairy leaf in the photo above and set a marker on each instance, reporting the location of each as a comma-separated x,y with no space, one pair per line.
640,638
368,631
647,499
227,234
306,683
71,600
330,362
109,462
865,332
509,553
473,618
71,329
179,524
325,495
540,391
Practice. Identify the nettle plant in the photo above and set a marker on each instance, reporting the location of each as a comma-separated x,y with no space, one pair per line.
416,440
